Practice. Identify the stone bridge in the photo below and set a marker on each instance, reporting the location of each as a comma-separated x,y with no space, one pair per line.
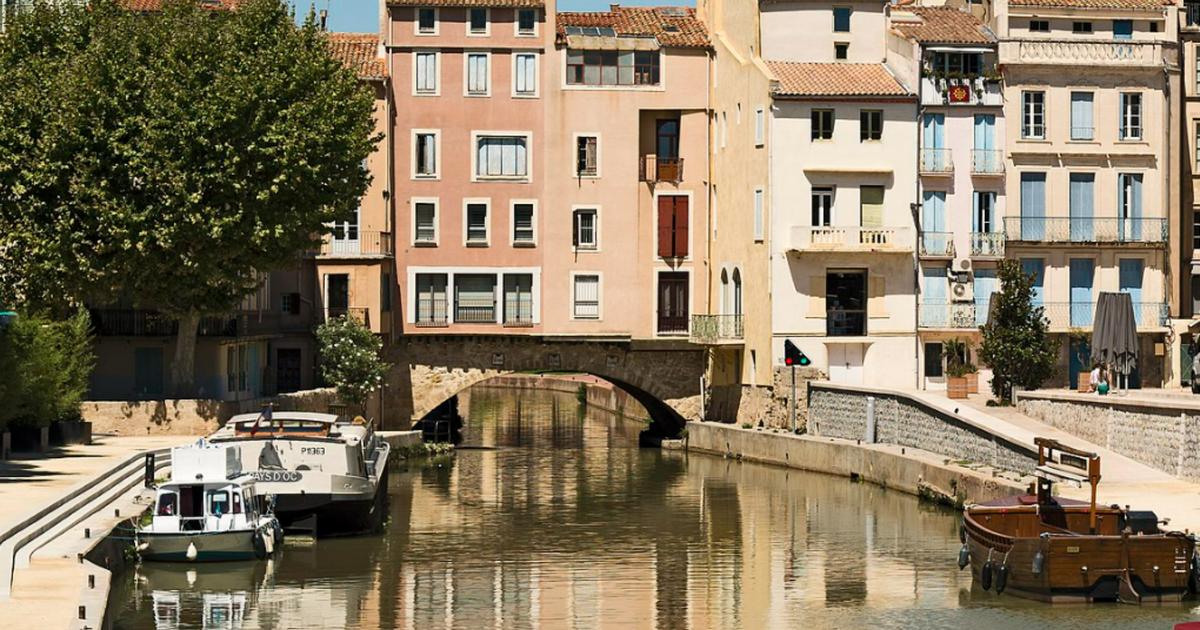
664,376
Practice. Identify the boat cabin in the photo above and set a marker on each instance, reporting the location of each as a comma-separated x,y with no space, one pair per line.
201,507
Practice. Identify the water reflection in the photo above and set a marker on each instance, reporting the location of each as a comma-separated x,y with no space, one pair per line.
550,516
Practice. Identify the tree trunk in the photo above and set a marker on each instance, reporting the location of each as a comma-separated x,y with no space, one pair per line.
183,365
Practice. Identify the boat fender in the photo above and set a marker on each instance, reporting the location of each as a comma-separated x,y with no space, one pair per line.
1001,578
1039,562
985,576
143,546
964,558
192,553
269,543
962,534
260,545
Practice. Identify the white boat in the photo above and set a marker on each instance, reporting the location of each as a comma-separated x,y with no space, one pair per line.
328,475
208,511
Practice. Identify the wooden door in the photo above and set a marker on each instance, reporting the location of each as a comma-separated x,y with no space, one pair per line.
672,302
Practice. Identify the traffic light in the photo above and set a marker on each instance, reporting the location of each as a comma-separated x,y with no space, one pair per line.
792,355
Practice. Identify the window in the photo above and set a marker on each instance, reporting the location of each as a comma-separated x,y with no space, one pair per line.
870,210
526,21
1081,116
1196,230
585,232
841,19
385,292
1033,121
673,226
611,67
431,304
822,124
425,223
957,63
822,207
518,299
478,22
1131,116
1039,26
587,156
759,201
501,156
1081,27
289,303
478,77
760,127
523,222
846,303
425,159
586,297
476,222
426,75
1153,27
985,202
870,124
525,74
426,21
841,51
1197,125
1123,29
475,298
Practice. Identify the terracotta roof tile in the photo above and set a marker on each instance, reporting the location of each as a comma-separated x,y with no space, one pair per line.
360,52
834,79
940,25
673,27
522,4
1148,5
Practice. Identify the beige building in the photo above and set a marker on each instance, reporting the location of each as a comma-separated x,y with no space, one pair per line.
1087,93
737,326
1185,231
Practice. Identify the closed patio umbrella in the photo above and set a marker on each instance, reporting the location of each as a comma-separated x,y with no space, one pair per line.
1114,333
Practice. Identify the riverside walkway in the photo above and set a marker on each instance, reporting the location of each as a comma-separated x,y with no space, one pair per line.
42,581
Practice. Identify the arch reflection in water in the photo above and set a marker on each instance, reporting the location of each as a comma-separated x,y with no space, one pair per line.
558,520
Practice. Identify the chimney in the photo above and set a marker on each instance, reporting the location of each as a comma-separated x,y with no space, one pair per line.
324,19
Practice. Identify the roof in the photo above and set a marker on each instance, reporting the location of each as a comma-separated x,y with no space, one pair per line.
673,27
1145,5
834,79
519,4
940,25
360,53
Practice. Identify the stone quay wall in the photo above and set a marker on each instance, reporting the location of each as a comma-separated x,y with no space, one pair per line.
188,416
1164,435
841,411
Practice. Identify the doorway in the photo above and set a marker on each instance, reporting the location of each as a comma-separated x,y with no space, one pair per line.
672,303
287,370
846,363
337,295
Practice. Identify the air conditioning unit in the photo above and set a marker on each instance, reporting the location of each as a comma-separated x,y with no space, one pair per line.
962,264
962,290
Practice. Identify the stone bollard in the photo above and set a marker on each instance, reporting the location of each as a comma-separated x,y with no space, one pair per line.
43,439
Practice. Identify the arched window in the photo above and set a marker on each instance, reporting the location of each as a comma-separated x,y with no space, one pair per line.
737,291
724,292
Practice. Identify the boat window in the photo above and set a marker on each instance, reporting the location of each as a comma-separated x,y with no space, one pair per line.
237,503
218,502
168,504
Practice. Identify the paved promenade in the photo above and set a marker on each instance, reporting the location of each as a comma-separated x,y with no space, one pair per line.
48,592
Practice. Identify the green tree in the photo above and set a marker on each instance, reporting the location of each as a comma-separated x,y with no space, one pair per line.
1016,344
46,365
350,359
170,158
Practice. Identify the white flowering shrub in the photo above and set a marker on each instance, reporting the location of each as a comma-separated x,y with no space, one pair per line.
350,359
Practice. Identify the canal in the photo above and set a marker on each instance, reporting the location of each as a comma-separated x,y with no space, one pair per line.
551,516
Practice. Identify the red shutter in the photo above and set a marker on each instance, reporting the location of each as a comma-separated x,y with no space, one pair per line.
681,226
666,216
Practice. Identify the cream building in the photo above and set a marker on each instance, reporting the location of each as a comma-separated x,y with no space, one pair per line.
843,182
1087,91
1185,232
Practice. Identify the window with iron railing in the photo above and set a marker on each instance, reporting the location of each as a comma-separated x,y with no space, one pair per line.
475,298
431,303
518,299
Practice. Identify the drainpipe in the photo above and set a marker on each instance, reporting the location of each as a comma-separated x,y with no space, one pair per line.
1169,338
915,208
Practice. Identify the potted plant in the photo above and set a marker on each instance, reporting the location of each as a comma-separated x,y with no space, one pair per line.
972,377
955,352
1079,339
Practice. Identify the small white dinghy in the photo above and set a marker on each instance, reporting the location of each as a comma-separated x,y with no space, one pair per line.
209,511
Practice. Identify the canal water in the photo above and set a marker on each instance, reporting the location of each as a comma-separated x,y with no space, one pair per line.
551,516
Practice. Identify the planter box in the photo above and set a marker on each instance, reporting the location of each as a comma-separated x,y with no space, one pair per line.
973,383
71,432
956,387
1084,385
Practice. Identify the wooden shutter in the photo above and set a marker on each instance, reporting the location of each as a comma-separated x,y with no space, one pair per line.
666,217
681,226
877,302
816,296
871,201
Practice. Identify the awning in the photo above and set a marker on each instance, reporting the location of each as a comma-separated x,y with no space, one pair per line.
1114,332
960,49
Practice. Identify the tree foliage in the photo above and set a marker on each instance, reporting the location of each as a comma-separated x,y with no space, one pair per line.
350,359
170,158
1016,344
46,365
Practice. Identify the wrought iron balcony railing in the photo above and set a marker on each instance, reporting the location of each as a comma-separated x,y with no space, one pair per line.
136,322
987,162
987,244
960,315
936,162
716,329
1062,316
1085,230
654,168
357,243
937,244
359,314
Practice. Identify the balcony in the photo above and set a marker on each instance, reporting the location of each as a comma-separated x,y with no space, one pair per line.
987,162
852,239
960,91
1191,12
937,244
953,315
359,314
136,322
653,169
987,245
365,244
715,330
937,162
1086,230
1063,316
1074,53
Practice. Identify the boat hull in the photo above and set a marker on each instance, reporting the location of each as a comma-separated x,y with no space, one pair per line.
210,546
327,514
